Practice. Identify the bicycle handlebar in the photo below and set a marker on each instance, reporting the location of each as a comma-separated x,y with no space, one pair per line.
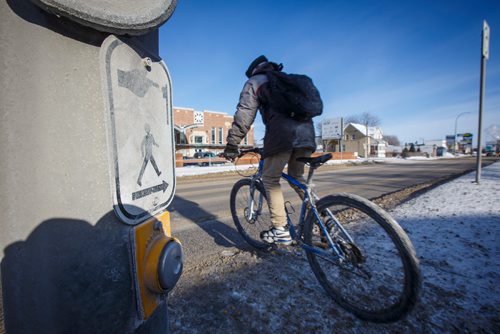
314,163
242,153
257,150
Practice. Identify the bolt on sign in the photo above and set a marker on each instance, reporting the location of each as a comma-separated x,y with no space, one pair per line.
137,93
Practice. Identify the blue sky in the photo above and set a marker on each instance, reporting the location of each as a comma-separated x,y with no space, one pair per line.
414,64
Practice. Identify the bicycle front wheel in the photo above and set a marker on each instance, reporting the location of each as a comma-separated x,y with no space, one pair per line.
377,277
250,211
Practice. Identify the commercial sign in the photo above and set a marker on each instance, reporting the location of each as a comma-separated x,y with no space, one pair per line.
467,138
332,128
450,140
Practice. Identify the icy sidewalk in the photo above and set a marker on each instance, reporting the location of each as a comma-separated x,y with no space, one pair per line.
455,229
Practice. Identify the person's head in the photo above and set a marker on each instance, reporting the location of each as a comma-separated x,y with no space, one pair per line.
262,64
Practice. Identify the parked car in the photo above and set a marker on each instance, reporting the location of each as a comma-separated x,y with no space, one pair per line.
208,155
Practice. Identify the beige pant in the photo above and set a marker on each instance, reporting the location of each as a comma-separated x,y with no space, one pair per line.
271,174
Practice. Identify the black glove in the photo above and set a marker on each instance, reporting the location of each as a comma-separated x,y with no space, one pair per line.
231,152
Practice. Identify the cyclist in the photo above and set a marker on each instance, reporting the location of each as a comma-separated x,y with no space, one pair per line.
285,140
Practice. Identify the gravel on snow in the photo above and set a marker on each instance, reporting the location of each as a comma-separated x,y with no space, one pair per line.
454,229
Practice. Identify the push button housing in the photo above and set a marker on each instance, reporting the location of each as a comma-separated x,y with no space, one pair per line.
158,262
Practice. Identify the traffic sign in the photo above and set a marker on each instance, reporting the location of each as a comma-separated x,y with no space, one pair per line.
486,40
331,128
137,92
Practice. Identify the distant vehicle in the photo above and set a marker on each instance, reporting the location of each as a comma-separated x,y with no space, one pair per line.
208,155
440,151
489,150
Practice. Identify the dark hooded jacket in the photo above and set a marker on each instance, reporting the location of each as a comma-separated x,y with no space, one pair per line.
282,132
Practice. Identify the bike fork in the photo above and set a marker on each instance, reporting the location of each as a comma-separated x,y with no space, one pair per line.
251,202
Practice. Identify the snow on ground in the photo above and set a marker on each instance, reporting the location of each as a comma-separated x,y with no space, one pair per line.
454,228
198,170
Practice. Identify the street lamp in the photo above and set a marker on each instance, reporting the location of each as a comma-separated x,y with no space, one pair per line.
455,137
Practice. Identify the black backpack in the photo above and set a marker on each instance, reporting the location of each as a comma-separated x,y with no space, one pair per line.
294,95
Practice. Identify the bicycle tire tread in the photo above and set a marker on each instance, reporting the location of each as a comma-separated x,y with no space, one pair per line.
403,244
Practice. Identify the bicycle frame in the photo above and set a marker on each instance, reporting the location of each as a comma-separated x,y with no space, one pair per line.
330,249
309,198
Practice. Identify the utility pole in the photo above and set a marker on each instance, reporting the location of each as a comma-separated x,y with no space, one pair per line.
367,141
341,137
484,56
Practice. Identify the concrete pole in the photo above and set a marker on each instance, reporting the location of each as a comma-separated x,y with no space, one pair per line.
66,263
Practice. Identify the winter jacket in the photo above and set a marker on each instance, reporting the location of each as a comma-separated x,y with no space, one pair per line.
282,132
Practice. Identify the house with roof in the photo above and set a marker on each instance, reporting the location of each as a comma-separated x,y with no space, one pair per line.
357,138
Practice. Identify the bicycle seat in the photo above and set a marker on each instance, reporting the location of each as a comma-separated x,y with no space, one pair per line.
316,161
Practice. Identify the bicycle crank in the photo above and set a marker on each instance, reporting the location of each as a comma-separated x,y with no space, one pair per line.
352,252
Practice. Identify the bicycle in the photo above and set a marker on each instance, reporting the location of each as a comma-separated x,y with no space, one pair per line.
359,254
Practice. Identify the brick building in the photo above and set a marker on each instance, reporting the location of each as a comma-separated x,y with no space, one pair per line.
203,130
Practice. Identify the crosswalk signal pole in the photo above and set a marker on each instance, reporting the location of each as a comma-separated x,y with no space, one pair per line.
484,56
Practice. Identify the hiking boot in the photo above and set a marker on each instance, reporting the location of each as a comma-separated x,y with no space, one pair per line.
276,235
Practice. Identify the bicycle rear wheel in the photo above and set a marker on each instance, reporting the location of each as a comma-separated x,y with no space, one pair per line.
250,217
379,279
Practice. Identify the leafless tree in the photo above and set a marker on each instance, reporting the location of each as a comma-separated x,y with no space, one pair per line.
493,131
365,119
392,140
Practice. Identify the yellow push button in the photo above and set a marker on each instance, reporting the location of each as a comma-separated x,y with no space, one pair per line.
158,262
163,264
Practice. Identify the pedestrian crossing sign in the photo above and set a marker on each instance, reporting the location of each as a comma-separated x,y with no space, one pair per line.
141,149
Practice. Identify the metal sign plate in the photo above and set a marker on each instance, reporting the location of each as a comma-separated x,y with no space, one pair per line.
137,92
486,40
331,128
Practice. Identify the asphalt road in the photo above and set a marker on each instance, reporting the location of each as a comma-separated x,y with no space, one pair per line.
200,210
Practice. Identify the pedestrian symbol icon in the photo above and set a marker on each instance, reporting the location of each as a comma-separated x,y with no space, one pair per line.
140,131
147,153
